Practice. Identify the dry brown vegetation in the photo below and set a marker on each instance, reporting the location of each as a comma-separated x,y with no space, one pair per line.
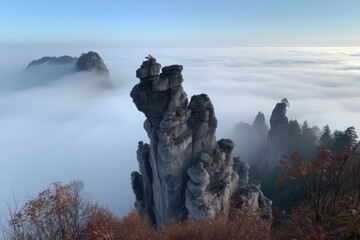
60,212
330,210
242,224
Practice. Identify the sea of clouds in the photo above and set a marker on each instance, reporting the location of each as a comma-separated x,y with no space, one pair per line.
63,127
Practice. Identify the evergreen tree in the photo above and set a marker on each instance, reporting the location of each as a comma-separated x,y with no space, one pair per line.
350,137
308,142
339,142
344,140
326,139
294,136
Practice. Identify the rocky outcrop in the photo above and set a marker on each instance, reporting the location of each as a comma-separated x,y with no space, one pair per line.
259,125
242,169
250,194
184,170
91,61
279,127
278,136
251,140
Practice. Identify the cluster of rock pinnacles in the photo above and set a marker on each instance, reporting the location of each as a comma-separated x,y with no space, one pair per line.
184,171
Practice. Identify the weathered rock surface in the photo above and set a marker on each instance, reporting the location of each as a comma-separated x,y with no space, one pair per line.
250,194
242,169
184,170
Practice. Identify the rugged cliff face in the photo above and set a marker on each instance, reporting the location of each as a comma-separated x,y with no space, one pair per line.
184,170
278,136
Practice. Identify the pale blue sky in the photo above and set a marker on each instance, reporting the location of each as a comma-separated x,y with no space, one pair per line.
182,23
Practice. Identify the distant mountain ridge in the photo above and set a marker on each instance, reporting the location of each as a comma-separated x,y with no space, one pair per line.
89,62
52,60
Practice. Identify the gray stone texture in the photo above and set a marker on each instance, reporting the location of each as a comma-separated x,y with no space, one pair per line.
250,194
184,171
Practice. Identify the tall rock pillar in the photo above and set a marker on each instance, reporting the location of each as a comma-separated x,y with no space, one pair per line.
184,170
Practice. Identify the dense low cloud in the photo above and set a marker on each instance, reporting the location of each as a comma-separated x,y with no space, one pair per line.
71,128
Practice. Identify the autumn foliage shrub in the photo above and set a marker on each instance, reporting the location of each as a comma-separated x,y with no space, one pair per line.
105,226
241,224
331,188
59,212
330,210
300,225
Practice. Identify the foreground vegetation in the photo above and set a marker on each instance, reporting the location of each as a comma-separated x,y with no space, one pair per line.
326,191
327,195
60,212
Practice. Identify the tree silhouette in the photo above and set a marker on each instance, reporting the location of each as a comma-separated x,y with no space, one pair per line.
326,139
59,212
344,140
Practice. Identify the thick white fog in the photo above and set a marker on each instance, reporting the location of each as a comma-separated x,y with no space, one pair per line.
71,128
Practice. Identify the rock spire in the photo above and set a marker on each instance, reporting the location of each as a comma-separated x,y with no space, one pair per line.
183,170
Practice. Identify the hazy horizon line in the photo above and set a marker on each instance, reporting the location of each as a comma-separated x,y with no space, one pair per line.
139,46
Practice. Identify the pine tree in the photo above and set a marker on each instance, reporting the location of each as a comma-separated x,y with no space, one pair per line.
344,140
350,137
326,139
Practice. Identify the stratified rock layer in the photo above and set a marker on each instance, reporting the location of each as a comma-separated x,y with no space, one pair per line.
184,170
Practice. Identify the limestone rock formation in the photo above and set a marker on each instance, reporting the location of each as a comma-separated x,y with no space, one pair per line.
242,169
184,170
250,193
